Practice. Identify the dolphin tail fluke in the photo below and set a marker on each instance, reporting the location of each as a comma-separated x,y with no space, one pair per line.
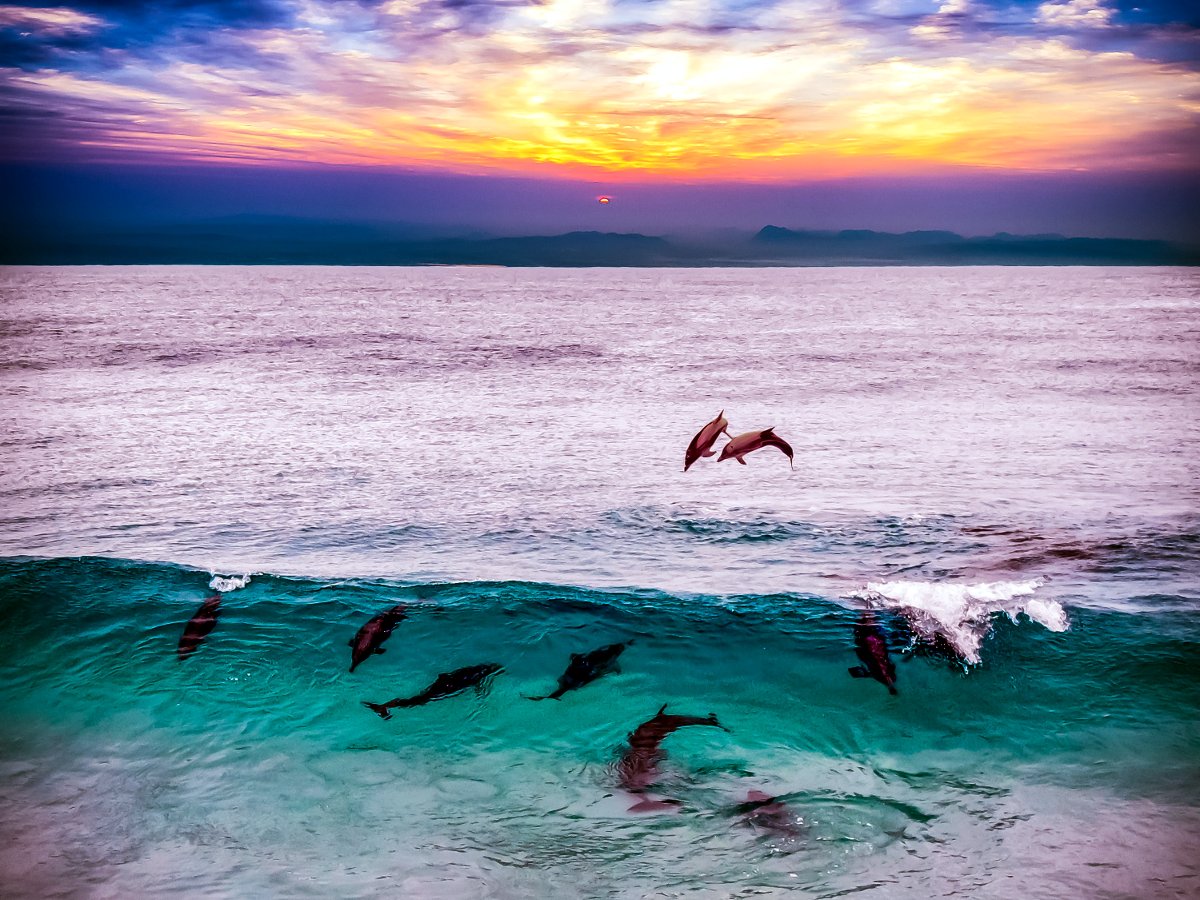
859,672
379,708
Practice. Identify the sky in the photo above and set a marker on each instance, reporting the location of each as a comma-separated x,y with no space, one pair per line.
1076,116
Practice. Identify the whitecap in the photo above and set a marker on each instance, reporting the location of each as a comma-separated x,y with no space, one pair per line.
962,613
223,585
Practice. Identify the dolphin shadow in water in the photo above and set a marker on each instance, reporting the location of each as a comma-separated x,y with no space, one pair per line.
445,685
584,668
870,645
369,640
637,769
200,625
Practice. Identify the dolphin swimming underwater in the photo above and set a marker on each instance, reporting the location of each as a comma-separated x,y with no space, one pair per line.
445,685
371,636
739,446
870,644
198,627
585,668
762,812
638,766
702,443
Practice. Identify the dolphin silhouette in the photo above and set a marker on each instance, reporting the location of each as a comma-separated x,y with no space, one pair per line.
638,767
371,636
870,644
584,668
739,446
702,443
204,621
445,685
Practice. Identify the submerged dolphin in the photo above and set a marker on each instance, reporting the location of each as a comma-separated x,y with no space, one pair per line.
445,685
870,644
371,636
738,447
638,766
199,625
762,812
702,443
204,621
585,668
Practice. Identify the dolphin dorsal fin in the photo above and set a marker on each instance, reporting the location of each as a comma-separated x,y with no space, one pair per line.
661,711
770,430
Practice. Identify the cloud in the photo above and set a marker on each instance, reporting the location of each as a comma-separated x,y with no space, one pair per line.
48,21
1074,14
686,89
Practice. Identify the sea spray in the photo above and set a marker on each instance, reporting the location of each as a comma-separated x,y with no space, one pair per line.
224,585
962,613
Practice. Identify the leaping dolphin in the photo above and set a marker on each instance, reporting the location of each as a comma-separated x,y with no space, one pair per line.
738,447
870,644
204,621
370,638
445,685
702,443
585,668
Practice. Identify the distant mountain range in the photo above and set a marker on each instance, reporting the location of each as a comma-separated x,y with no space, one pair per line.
272,240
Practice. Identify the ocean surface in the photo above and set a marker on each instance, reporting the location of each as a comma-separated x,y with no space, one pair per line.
1001,464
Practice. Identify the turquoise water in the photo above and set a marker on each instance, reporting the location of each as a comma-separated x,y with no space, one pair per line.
256,748
1004,469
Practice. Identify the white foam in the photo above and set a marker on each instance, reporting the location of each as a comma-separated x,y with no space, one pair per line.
223,585
962,613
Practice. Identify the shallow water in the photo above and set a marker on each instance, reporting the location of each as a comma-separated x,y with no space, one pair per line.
988,449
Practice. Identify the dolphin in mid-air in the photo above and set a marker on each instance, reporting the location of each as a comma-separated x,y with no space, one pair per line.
370,638
445,685
585,668
702,443
638,766
738,447
204,621
870,644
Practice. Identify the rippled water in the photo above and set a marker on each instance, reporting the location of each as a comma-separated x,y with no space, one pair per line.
1004,460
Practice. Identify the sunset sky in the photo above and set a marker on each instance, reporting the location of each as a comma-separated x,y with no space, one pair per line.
679,109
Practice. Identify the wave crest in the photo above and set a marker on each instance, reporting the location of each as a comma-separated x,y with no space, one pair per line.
961,613
223,585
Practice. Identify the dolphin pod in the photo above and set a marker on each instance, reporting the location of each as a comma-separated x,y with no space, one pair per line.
737,447
584,668
369,640
199,626
445,685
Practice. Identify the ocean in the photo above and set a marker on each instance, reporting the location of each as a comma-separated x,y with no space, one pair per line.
996,474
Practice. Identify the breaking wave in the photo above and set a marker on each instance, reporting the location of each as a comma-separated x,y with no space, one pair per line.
962,614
